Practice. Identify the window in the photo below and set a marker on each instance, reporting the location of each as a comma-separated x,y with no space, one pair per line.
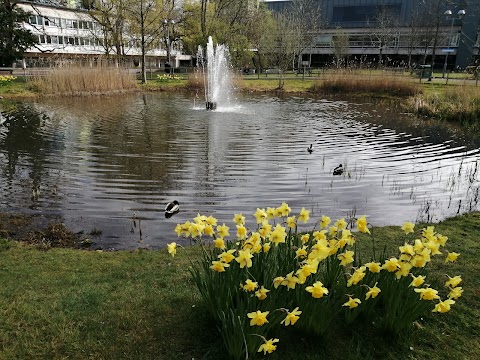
362,14
60,40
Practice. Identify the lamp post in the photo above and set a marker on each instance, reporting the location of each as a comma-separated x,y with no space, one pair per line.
169,48
448,14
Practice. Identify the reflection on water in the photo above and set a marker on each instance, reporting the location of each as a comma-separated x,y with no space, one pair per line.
106,163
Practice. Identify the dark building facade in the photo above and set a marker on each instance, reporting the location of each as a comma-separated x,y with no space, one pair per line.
446,40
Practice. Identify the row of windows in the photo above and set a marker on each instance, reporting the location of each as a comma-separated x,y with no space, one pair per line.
63,23
69,40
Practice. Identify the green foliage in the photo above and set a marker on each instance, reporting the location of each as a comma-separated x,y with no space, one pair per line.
14,40
6,79
167,78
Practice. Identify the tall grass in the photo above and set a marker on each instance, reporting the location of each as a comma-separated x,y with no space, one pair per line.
84,81
455,103
377,85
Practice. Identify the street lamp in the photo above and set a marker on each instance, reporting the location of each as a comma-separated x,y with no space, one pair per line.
448,14
169,48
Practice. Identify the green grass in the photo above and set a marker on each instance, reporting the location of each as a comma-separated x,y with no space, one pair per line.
76,304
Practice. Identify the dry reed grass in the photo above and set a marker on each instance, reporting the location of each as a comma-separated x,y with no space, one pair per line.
376,85
84,81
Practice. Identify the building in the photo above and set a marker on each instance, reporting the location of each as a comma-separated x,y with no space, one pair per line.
453,40
67,34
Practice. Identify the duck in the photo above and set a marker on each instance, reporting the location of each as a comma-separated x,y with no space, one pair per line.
172,208
338,170
309,149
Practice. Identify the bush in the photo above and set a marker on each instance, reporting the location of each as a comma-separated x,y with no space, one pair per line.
273,276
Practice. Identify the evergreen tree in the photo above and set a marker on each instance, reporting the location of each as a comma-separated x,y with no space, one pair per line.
14,39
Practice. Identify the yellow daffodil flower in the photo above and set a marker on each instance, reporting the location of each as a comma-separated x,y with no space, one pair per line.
222,231
404,270
442,240
391,265
453,282
258,318
283,210
250,285
317,290
434,247
348,237
200,219
407,249
304,215
291,223
239,219
227,256
172,248
305,238
278,281
324,222
357,276
417,281
291,317
372,292
241,232
332,231
278,235
266,247
374,267
261,293
451,257
265,230
211,221
346,257
427,294
362,224
219,243
455,293
301,253
320,235
179,229
208,230
268,346
418,246
218,266
429,232
260,215
244,258
290,281
443,306
196,229
340,224
352,303
408,227
271,212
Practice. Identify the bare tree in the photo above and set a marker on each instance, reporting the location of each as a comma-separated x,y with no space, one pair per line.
339,46
385,31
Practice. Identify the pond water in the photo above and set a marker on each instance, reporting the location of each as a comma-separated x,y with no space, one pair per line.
106,163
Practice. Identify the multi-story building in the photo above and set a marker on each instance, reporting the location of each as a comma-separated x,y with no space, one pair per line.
68,34
453,39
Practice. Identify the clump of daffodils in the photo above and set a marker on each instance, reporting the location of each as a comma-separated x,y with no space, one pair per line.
5,79
258,277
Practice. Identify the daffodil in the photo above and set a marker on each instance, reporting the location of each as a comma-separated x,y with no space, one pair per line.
434,247
244,258
451,257
301,252
317,290
227,256
211,221
292,317
372,292
271,213
352,303
374,267
266,247
283,210
261,293
441,239
265,230
362,224
320,235
218,266
291,223
347,237
332,231
200,219
408,227
428,232
179,230
278,281
427,294
304,215
278,235
346,257
260,215
290,281
404,269
268,346
250,285
407,249
357,276
239,219
172,248
258,318
222,231
208,230
219,243
391,265
340,224
443,306
324,222
305,238
453,282
455,293
241,232
417,281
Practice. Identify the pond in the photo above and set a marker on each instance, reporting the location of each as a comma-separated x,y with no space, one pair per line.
109,165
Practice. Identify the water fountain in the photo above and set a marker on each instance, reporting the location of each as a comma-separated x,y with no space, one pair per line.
216,74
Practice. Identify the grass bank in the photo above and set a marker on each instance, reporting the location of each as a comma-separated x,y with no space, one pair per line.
142,305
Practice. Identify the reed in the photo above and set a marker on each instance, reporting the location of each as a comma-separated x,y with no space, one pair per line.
455,103
84,81
370,85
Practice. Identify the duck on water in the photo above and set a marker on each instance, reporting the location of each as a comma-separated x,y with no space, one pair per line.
172,208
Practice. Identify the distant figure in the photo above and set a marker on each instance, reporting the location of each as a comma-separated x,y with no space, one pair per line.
309,149
338,170
172,208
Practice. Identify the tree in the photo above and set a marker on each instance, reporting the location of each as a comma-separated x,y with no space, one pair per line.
386,28
339,45
14,39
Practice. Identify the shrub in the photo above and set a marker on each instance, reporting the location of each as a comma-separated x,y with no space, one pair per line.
273,275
